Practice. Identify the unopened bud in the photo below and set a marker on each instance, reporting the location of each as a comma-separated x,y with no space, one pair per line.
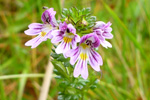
84,22
44,7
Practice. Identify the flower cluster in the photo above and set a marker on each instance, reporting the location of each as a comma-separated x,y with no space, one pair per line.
79,47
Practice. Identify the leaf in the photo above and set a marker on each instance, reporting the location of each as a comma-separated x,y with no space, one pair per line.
59,66
61,58
65,12
86,11
93,87
91,19
74,14
54,55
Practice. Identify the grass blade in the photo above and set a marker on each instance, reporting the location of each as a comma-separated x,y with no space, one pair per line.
122,25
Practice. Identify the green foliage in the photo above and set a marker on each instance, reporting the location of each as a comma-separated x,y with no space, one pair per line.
81,19
125,69
70,88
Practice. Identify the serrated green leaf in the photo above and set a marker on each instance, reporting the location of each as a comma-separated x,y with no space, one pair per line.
96,81
91,19
53,50
80,13
68,97
61,58
54,55
58,77
60,97
56,72
93,86
65,11
71,90
75,97
67,64
63,16
79,86
74,14
63,84
59,66
86,11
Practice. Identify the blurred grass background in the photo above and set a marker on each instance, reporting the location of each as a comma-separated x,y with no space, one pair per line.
126,68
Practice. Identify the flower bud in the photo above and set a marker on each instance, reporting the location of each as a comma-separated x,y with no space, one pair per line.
84,22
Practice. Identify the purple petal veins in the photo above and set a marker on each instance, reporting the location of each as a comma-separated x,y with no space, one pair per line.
67,36
84,53
103,31
42,30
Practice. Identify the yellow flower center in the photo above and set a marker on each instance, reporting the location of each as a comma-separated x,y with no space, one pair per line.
84,46
67,39
43,34
83,56
69,34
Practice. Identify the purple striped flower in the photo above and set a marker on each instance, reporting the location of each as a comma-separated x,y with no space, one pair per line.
67,36
85,53
103,30
42,30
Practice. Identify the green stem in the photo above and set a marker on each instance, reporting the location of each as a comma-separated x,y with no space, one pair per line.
82,98
85,32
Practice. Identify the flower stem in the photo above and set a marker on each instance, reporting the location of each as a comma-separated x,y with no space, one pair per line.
85,32
82,98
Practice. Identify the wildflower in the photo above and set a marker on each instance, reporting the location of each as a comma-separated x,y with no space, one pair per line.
42,30
67,36
85,53
103,30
